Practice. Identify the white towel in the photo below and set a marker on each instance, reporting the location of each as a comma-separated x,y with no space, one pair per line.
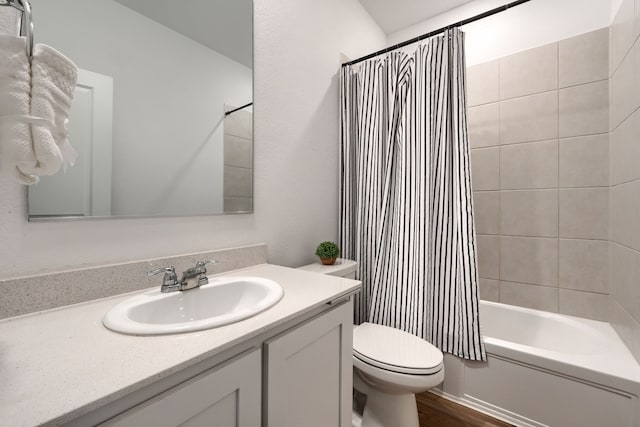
10,19
53,81
34,110
15,99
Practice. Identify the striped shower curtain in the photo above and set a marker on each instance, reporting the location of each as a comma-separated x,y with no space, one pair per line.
406,206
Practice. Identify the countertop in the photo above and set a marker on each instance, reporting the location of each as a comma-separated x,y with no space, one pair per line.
59,364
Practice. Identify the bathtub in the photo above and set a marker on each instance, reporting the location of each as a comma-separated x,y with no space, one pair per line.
547,369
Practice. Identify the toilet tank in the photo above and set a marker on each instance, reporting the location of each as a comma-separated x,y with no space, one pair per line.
342,268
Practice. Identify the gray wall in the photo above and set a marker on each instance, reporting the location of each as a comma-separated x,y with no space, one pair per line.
538,123
625,175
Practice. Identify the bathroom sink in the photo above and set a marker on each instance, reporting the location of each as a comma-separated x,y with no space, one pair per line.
221,302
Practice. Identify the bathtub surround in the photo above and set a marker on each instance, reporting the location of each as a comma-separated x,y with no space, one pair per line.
405,207
37,293
624,164
538,126
238,160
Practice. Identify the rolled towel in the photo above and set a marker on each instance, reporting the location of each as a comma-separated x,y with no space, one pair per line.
53,82
10,19
15,134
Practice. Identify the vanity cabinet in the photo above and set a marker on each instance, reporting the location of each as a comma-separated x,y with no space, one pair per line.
296,375
308,380
224,396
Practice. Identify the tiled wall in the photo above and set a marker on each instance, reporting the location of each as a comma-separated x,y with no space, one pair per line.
624,157
238,161
538,124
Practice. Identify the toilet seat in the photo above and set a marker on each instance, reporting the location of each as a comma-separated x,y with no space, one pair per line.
394,350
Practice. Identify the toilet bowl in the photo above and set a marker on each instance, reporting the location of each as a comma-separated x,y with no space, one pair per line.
389,366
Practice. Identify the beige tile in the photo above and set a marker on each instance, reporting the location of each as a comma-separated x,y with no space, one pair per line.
529,260
625,150
238,182
486,211
637,19
529,213
624,276
584,161
239,123
584,58
530,296
621,34
529,165
238,204
483,83
584,304
584,265
584,213
488,256
529,72
636,72
489,290
238,151
622,100
584,109
626,326
625,217
484,125
530,118
485,164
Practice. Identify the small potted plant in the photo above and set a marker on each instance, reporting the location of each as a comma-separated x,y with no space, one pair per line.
327,252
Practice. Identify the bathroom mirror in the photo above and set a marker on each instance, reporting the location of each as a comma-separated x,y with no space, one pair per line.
148,119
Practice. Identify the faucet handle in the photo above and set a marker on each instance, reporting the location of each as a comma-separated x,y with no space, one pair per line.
201,270
170,277
200,266
166,270
203,263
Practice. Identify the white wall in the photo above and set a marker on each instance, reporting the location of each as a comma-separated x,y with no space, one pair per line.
529,25
169,94
297,57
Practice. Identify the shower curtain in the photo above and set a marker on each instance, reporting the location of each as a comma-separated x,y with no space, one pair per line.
406,206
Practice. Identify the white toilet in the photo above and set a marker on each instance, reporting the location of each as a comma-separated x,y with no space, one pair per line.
389,365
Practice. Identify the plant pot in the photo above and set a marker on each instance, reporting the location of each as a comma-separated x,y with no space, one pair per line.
328,261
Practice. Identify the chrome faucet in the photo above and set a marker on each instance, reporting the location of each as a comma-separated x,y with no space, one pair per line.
193,277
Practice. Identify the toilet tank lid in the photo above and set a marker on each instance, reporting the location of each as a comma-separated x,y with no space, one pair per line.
341,268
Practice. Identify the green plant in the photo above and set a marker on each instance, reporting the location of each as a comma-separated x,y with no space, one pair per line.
327,250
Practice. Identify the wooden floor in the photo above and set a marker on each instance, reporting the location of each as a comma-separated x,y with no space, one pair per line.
434,410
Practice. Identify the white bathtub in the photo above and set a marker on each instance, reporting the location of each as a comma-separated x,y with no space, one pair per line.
547,369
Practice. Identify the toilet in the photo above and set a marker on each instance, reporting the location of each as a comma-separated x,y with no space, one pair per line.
389,366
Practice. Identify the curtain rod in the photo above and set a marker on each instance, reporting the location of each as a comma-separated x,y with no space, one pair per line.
226,113
438,31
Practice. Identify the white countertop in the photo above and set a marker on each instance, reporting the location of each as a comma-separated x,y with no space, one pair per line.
59,364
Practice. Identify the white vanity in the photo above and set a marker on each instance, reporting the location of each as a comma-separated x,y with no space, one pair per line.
287,366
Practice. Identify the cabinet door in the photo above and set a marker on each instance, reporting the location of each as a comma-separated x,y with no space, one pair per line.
225,396
308,378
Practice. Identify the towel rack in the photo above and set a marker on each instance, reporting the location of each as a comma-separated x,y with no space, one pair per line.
26,24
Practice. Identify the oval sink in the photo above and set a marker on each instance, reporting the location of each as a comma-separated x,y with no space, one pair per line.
221,302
